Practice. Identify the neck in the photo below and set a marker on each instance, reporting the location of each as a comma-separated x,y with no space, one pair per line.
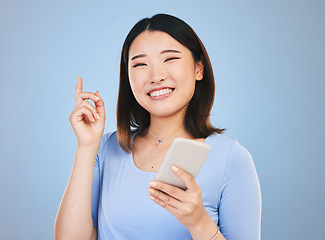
166,128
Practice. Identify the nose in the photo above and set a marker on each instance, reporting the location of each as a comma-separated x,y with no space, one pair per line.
158,74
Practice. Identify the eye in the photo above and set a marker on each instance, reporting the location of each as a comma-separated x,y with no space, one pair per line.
139,65
170,59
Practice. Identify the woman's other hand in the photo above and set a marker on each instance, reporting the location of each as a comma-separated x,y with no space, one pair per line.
187,206
87,121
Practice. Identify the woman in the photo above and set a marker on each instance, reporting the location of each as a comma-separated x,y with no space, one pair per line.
166,91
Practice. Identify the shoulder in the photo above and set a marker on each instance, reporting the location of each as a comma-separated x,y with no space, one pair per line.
109,144
238,165
233,157
217,139
227,146
108,136
221,146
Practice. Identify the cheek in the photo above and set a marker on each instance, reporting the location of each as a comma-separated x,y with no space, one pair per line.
133,79
185,77
188,82
136,80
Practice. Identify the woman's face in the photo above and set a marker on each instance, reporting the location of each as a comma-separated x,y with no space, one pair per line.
162,73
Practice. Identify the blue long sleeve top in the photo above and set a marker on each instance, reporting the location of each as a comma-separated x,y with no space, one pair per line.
121,208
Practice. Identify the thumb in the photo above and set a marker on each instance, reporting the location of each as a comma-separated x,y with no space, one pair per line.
185,177
100,105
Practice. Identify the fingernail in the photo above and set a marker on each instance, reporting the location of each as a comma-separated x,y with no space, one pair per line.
93,119
98,98
98,117
152,198
151,191
175,168
98,94
153,184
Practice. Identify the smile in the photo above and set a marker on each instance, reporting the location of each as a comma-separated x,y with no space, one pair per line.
157,93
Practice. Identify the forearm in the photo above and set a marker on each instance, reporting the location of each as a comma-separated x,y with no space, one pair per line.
205,229
73,220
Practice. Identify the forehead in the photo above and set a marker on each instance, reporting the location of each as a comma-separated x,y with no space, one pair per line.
154,41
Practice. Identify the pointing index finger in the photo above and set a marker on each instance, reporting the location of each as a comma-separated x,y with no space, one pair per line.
78,88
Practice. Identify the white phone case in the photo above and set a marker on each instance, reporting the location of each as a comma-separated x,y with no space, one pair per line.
186,154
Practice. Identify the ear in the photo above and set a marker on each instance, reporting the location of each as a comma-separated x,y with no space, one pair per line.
199,70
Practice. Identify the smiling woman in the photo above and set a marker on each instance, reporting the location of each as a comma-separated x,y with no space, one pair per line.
166,91
163,78
179,39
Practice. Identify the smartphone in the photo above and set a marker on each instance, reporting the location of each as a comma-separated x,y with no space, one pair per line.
186,154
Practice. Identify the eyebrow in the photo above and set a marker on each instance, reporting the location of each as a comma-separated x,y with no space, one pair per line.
138,56
162,52
170,51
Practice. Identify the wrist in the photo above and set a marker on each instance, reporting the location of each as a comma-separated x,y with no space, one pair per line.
217,233
87,152
206,228
88,147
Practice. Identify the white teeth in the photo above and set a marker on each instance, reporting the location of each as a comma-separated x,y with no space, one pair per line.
160,92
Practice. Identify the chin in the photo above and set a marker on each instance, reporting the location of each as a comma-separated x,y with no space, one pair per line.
164,113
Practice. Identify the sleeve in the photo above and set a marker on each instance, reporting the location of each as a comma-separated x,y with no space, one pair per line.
95,193
240,204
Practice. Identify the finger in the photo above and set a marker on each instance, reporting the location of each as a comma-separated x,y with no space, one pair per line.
100,106
173,210
90,107
86,95
189,181
173,191
165,198
78,88
83,113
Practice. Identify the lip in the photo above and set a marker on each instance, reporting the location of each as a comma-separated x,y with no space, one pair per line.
162,92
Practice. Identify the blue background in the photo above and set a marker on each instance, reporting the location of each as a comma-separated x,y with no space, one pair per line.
268,58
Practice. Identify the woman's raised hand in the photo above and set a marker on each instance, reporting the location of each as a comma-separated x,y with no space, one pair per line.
87,121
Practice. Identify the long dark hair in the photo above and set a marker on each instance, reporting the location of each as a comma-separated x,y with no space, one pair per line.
131,117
